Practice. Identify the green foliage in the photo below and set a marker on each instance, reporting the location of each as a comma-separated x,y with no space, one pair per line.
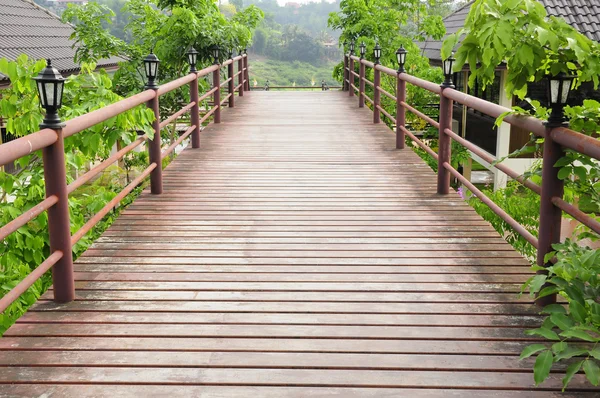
532,44
25,249
281,73
522,204
575,276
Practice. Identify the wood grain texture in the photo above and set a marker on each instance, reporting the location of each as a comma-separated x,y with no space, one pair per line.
297,253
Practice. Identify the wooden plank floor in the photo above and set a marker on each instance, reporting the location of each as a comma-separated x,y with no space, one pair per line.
297,254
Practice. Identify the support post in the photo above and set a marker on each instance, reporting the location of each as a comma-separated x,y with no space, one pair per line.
376,95
350,76
59,224
246,73
361,85
550,215
444,144
231,85
241,76
195,113
217,95
154,149
345,83
400,112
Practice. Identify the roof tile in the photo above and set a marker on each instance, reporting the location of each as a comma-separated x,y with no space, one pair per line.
27,28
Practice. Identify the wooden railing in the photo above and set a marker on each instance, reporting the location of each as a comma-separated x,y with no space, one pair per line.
51,143
556,140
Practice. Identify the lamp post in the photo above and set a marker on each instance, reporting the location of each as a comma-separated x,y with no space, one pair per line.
192,56
401,57
151,68
377,53
214,49
448,65
50,86
559,87
352,47
363,50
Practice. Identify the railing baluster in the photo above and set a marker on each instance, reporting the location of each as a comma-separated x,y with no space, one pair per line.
361,85
246,73
550,215
345,83
195,113
154,148
351,80
400,112
444,144
59,223
241,76
217,95
231,85
376,95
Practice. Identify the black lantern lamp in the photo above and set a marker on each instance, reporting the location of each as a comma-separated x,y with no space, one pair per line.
377,53
352,47
448,65
246,51
363,50
50,85
214,50
559,87
401,57
151,68
192,56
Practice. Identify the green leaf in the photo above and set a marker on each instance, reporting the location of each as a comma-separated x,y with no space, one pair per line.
592,371
578,334
572,369
578,311
532,349
544,332
562,321
554,309
542,366
564,173
559,347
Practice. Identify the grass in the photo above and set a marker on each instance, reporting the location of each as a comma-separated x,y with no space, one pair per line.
282,73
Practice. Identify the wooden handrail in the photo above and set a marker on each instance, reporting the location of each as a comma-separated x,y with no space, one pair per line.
558,138
57,192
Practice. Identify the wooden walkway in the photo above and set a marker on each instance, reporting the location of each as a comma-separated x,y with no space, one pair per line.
297,254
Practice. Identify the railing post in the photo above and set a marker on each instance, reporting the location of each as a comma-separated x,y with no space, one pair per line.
59,223
217,95
444,144
400,112
231,85
345,83
550,215
154,148
241,76
350,76
195,113
246,73
376,95
361,84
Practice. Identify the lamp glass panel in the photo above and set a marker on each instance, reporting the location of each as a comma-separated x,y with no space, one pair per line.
147,69
554,88
153,69
447,67
565,90
59,93
49,89
403,58
41,93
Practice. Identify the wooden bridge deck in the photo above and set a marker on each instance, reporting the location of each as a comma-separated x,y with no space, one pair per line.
297,254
